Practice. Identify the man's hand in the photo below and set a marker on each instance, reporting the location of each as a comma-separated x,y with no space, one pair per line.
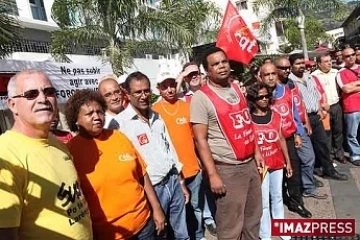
185,192
289,170
308,128
260,162
216,184
298,141
159,220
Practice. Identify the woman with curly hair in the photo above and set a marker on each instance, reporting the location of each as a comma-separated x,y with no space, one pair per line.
267,127
112,174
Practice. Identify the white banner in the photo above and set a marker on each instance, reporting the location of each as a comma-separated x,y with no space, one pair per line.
66,78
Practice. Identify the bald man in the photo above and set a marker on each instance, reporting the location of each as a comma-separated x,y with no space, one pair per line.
283,104
113,96
40,192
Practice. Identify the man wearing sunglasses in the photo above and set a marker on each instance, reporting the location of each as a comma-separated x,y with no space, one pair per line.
149,134
111,92
348,80
40,193
284,105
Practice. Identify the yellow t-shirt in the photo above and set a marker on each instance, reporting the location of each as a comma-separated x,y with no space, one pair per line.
40,191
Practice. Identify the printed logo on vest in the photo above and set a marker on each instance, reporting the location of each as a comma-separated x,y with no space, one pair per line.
282,109
239,118
269,136
143,139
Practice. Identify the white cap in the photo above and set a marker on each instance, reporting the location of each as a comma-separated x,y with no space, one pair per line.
165,75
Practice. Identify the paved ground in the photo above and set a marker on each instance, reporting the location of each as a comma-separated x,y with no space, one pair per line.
343,200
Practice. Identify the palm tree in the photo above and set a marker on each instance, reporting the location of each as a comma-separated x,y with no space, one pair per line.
125,28
279,10
9,27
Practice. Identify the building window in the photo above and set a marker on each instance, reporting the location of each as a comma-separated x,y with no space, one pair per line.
242,5
38,10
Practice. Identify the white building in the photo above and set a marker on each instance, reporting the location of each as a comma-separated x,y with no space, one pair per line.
275,36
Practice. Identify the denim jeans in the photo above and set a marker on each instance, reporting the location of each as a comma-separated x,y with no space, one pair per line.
194,211
307,157
352,123
172,201
207,215
271,188
147,233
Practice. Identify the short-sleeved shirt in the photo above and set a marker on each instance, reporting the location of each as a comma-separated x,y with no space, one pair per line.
202,111
151,140
328,82
111,174
177,120
311,95
40,191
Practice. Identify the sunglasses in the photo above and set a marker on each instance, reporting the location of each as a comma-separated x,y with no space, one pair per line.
285,68
261,97
350,55
34,93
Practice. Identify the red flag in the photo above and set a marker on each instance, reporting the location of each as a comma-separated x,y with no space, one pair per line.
235,38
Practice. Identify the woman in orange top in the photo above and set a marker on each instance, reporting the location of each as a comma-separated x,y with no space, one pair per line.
112,174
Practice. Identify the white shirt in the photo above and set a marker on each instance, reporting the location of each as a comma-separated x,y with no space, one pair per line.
108,118
328,82
151,140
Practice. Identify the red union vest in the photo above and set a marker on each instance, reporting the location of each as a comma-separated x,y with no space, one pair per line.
300,105
283,106
351,101
234,121
268,139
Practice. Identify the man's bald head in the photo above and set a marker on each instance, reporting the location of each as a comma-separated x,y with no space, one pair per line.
268,74
283,68
112,94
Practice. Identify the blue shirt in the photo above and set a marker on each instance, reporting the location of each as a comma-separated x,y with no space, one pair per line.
279,91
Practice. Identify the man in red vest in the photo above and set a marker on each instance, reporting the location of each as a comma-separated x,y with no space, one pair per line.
225,140
348,79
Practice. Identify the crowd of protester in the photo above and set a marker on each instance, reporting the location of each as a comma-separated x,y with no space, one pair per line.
132,169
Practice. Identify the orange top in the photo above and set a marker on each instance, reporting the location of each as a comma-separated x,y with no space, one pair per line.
111,175
177,120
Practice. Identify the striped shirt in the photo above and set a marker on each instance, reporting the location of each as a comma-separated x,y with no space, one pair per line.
308,90
151,140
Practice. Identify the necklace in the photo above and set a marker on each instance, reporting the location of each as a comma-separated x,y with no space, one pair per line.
173,113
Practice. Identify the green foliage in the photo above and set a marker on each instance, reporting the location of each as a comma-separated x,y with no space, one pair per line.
9,27
290,9
154,98
314,31
125,28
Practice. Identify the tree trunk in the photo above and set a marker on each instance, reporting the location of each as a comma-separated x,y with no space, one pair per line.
301,25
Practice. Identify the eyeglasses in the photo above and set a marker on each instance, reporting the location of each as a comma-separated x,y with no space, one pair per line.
350,55
34,93
110,94
261,97
138,94
285,68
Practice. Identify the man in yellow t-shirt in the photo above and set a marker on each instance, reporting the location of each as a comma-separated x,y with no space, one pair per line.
176,115
40,192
